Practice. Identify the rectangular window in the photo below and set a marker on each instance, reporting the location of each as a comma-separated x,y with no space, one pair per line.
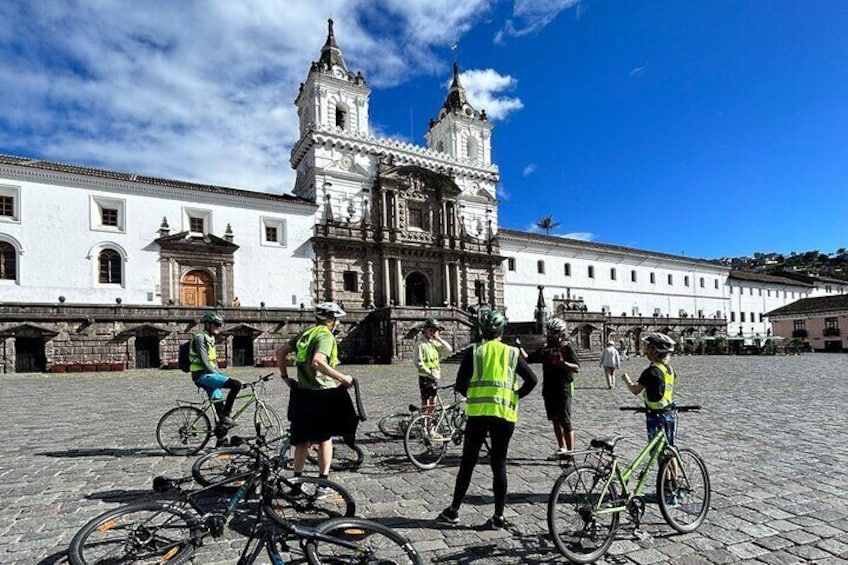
567,269
510,263
733,316
350,282
540,267
107,214
612,274
741,316
799,325
7,206
591,272
730,289
195,225
633,275
753,317
768,292
686,280
416,217
715,283
831,323
341,117
751,291
670,280
759,292
761,317
653,278
109,217
272,232
10,197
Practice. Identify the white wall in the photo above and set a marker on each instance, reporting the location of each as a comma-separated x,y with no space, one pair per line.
756,298
60,248
620,295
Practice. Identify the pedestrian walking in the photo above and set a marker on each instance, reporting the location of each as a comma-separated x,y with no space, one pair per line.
610,361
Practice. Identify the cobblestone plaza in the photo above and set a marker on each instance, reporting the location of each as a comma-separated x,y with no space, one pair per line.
772,435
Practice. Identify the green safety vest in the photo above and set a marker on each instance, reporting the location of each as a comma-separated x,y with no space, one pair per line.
430,358
304,346
211,354
668,377
492,390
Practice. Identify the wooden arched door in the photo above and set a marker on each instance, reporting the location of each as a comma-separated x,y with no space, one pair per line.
198,289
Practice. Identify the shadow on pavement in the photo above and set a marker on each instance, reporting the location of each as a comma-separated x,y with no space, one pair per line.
60,557
106,452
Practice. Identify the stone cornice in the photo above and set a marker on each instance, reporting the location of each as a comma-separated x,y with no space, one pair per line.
403,153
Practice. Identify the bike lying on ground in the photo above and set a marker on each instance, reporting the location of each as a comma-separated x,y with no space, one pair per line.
169,532
589,497
394,425
428,435
186,429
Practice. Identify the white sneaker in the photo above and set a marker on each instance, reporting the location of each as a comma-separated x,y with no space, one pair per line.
558,454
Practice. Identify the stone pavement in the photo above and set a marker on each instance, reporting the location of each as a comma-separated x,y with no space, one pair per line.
773,438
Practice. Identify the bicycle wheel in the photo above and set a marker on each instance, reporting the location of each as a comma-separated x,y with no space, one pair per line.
308,499
266,421
345,457
352,540
423,443
394,425
183,430
222,464
580,532
148,532
683,490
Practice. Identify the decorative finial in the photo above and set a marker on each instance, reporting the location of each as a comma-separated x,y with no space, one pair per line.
228,234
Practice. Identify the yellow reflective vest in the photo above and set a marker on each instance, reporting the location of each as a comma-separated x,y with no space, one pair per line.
667,398
304,346
429,357
211,354
493,388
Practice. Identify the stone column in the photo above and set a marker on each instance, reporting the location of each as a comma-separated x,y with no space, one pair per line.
369,283
329,276
447,285
401,296
387,283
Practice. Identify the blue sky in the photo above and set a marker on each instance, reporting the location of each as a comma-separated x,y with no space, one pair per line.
703,128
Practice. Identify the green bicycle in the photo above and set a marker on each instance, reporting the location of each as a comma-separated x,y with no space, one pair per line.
186,429
589,497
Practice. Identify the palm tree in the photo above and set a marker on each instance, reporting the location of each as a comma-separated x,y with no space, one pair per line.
547,223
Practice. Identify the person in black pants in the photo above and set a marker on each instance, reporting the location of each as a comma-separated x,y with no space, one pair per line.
488,378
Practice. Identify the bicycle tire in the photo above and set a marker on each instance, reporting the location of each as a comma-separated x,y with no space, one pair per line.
183,430
578,533
394,425
267,421
364,542
131,534
222,464
308,500
418,443
684,500
345,457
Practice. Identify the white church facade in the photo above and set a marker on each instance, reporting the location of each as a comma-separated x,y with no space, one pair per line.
104,264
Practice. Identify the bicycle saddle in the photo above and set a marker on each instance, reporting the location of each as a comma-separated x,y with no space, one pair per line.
605,443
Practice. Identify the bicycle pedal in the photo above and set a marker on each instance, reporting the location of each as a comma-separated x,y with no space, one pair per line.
215,523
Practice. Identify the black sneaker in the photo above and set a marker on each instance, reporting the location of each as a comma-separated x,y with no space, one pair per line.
449,516
222,442
499,523
227,422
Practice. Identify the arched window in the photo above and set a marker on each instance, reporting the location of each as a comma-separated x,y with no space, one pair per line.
111,267
8,261
341,116
440,146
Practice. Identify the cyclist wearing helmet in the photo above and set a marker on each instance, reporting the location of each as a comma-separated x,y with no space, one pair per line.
205,373
559,365
312,414
656,385
430,347
487,377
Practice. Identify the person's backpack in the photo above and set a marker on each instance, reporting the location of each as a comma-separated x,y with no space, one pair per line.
183,359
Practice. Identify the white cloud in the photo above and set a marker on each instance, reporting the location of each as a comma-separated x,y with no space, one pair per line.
531,16
528,170
637,71
580,235
198,90
484,87
501,192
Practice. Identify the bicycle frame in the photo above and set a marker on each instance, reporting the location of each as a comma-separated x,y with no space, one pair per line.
651,452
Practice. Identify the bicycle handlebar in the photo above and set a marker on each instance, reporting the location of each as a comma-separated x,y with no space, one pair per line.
643,409
446,387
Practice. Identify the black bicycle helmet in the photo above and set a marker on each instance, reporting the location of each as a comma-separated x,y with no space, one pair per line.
660,342
492,324
432,323
212,318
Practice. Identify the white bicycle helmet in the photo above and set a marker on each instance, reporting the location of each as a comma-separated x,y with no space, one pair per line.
660,342
328,311
556,326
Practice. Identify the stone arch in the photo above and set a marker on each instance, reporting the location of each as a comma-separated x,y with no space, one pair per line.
417,289
197,288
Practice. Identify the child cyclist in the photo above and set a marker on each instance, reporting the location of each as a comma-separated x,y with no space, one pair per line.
656,385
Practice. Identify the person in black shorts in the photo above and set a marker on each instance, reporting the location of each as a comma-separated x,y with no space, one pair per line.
559,365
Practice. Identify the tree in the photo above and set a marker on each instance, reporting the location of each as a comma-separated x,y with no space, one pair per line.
547,223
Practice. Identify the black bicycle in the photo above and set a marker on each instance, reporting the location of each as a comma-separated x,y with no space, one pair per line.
169,532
